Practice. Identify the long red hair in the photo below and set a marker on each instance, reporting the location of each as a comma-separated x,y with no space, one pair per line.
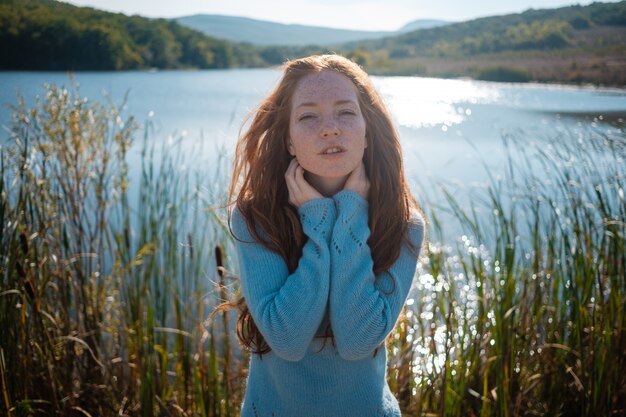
261,158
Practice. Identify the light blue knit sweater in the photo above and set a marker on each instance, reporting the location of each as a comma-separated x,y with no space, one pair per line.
334,284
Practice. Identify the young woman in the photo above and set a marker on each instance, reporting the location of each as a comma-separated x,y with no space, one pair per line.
328,236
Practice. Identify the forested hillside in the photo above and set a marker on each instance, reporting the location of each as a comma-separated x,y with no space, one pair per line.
49,35
576,43
533,29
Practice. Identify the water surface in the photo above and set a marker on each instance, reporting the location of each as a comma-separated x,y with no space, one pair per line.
450,129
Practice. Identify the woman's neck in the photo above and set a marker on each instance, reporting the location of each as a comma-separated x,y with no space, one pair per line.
328,187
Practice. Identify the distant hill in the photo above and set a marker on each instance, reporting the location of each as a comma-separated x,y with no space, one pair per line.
422,24
261,32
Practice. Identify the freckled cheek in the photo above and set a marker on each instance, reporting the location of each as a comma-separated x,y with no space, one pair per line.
300,141
350,123
356,127
303,146
303,131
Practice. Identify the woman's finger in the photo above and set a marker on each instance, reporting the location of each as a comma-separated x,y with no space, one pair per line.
299,176
307,191
292,186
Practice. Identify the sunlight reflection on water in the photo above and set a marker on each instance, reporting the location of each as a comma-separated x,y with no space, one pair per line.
423,102
448,130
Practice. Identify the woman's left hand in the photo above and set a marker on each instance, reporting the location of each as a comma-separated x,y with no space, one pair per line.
358,181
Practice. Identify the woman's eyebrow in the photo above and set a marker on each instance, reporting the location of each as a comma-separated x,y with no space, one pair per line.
307,104
337,103
341,102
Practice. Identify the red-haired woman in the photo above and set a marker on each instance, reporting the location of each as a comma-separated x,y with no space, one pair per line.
328,235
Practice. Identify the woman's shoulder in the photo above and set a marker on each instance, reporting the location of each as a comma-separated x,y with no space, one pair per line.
243,224
238,224
416,227
417,218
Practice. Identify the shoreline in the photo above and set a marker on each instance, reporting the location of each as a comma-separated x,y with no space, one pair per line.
373,71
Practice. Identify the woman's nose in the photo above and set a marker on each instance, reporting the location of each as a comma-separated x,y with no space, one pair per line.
330,129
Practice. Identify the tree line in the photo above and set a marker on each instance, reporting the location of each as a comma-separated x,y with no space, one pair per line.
531,30
49,35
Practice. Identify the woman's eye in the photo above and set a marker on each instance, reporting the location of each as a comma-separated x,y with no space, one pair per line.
306,117
347,113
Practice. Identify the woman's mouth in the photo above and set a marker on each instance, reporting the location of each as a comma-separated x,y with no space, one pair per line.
332,150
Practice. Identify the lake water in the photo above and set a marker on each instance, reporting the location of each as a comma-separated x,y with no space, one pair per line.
450,129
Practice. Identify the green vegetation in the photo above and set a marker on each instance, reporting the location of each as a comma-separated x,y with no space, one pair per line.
570,44
503,74
49,35
533,29
524,314
102,302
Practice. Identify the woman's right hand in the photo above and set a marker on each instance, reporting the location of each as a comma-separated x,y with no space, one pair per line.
300,191
358,181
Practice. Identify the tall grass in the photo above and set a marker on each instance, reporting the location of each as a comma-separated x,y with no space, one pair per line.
102,297
106,281
525,313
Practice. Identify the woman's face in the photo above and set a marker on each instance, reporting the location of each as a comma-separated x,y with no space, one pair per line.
326,127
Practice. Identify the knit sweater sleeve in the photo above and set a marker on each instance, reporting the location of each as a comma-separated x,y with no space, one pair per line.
287,308
363,307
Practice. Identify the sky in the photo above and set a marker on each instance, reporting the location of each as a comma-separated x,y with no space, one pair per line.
345,14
